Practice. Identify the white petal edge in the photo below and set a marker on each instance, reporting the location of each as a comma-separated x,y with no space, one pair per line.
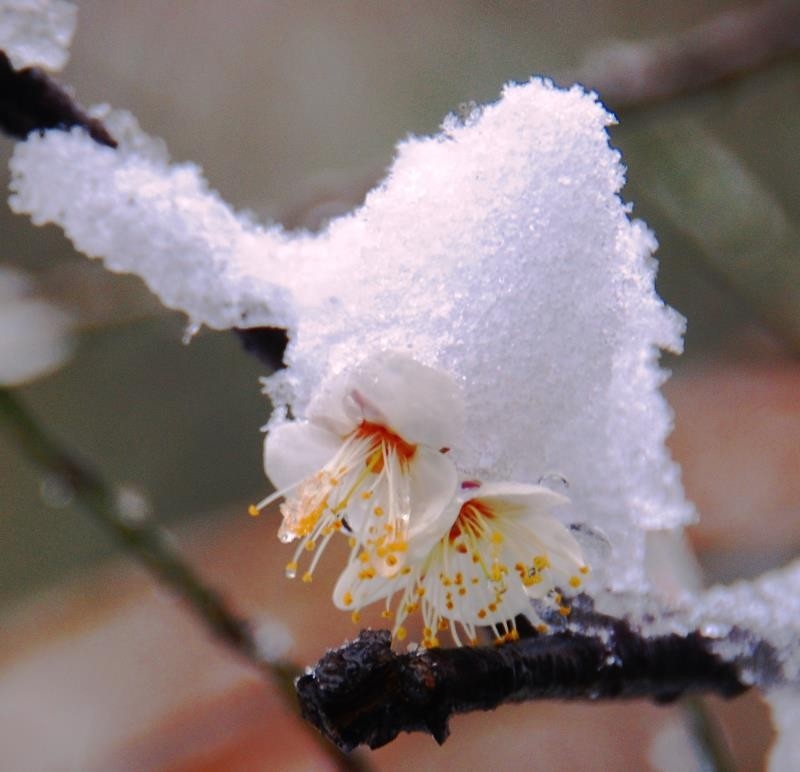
364,591
537,499
419,403
433,486
295,451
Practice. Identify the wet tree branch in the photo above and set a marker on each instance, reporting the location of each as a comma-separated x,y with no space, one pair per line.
365,694
30,100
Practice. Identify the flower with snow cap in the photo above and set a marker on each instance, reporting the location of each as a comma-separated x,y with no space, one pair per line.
500,548
368,462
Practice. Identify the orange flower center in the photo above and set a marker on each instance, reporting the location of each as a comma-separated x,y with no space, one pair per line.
470,520
383,441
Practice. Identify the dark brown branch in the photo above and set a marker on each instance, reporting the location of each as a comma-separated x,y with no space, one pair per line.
364,693
729,45
30,100
267,344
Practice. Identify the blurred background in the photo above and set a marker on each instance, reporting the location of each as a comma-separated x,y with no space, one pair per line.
293,111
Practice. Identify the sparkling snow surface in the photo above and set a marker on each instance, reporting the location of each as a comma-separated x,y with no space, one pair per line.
37,33
498,250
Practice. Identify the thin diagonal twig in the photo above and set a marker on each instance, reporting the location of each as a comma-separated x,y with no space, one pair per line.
149,545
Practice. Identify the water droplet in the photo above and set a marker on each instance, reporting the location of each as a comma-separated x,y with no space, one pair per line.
273,638
132,505
593,541
555,481
285,537
56,491
191,330
712,630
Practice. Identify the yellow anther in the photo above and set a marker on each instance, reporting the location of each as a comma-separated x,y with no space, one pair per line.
497,538
386,614
420,591
367,573
481,613
584,569
462,590
253,511
564,611
364,557
310,545
307,577
401,633
352,541
405,570
541,562
347,598
355,617
378,511
542,628
443,625
366,495
574,581
391,560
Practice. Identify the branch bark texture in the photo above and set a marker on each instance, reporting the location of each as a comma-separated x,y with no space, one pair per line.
364,693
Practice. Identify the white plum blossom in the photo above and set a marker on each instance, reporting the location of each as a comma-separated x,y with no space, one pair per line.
369,461
496,548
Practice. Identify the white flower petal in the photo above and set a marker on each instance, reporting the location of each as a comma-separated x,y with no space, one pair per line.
353,592
535,498
433,484
328,406
556,541
295,451
421,404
